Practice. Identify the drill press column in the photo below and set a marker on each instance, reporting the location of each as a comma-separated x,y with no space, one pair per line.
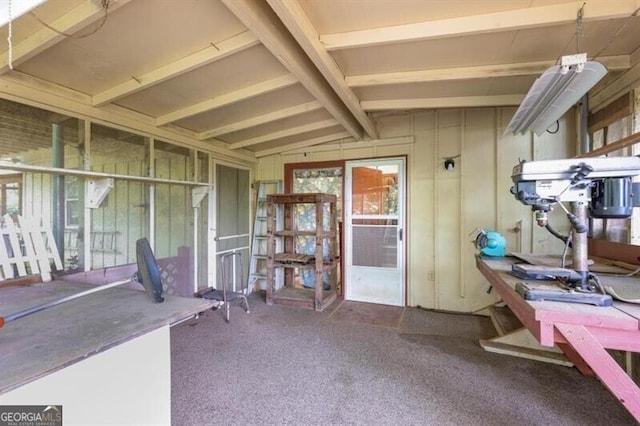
579,244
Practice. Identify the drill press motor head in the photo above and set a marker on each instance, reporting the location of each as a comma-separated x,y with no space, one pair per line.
603,183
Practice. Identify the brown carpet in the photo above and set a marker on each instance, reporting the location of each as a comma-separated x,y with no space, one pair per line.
281,365
368,313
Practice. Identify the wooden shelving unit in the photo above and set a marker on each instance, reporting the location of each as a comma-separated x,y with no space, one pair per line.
316,298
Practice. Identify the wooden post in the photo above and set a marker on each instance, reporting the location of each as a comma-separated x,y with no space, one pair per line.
319,254
58,195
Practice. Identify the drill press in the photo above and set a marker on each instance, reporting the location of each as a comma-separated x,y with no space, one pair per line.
600,187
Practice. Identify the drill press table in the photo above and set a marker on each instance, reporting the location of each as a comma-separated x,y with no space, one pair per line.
582,332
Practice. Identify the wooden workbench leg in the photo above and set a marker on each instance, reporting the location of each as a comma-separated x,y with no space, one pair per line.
521,343
605,367
576,359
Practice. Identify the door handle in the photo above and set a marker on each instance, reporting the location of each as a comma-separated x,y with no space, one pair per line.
400,234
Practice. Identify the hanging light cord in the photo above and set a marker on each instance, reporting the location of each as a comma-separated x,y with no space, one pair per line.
10,36
614,36
579,27
579,32
104,5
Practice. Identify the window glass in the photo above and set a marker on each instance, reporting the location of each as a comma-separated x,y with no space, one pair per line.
315,180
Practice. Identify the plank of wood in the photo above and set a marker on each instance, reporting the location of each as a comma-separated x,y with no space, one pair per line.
580,313
293,258
617,251
614,146
52,248
12,231
493,315
37,250
31,253
575,358
6,268
515,345
622,340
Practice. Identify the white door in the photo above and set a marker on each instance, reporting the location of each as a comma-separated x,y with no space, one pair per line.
374,225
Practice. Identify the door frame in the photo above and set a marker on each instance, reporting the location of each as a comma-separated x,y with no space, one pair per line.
212,264
288,185
402,221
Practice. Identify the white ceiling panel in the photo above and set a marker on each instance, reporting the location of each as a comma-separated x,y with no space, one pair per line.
277,126
284,142
250,108
432,54
139,37
209,81
348,15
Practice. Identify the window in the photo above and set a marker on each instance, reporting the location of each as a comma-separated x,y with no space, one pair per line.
72,206
327,178
10,195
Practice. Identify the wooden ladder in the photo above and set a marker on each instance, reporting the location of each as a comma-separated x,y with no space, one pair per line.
258,264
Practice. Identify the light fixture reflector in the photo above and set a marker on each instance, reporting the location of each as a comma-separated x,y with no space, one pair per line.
553,93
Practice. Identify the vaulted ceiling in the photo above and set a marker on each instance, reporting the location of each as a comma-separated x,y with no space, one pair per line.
266,76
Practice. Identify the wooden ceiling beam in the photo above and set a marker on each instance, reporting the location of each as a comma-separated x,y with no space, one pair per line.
292,131
299,25
350,145
302,144
260,119
85,14
262,21
29,90
510,20
448,102
613,63
629,80
228,98
214,52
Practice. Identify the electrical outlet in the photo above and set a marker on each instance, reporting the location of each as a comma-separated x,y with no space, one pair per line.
431,276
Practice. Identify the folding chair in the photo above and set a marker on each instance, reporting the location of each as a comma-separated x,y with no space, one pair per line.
233,285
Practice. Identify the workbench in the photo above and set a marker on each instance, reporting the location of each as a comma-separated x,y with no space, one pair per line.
583,332
104,357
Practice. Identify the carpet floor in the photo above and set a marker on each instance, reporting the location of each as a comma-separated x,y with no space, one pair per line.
368,313
281,365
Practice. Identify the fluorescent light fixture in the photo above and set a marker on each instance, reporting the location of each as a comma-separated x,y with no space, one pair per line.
18,8
554,92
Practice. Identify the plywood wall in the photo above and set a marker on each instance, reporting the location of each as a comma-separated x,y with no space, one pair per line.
446,206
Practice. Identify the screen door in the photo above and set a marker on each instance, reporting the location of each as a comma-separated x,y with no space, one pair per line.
374,218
